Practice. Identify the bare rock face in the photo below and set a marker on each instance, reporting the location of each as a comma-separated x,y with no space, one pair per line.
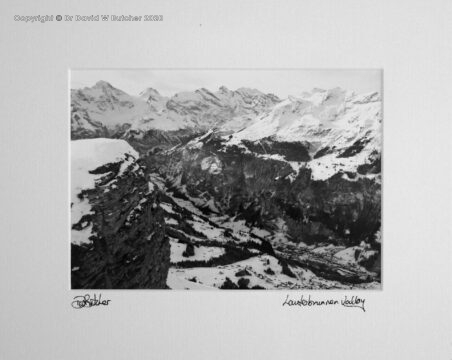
117,228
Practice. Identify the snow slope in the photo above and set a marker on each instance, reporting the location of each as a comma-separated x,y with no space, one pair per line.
104,105
329,120
263,271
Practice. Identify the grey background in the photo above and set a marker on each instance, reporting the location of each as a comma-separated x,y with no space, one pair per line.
409,319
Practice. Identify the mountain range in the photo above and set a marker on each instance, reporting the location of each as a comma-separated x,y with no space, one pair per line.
243,189
105,109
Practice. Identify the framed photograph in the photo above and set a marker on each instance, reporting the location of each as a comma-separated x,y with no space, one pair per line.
225,180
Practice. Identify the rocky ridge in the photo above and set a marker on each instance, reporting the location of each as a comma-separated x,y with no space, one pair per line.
118,230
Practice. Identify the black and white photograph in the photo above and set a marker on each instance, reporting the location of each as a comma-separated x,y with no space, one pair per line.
226,179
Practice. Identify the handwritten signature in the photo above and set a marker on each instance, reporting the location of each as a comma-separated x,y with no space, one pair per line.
85,301
354,301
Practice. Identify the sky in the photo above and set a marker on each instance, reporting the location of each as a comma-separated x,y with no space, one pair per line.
279,82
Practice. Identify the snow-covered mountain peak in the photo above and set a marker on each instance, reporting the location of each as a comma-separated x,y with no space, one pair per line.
328,122
101,89
336,108
319,97
104,88
249,91
224,90
254,96
149,92
204,91
102,106
103,84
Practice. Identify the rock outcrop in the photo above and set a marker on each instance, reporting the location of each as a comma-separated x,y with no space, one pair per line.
118,229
